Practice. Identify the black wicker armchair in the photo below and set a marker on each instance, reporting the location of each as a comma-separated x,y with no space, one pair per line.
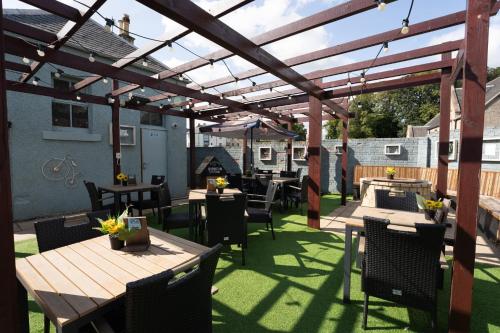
262,183
402,267
235,181
263,213
225,221
297,195
168,218
406,201
52,234
165,303
97,199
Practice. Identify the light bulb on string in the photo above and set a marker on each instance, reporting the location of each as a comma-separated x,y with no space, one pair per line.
40,51
211,63
362,79
385,47
26,60
78,97
169,99
111,100
202,90
349,83
143,89
170,47
381,5
236,82
405,29
104,80
221,96
144,62
91,57
58,73
36,80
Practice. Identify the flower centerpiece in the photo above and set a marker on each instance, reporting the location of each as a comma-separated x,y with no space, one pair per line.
220,184
123,178
116,229
390,172
431,206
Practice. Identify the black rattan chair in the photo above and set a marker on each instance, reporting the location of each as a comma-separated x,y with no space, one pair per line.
164,303
402,267
152,202
298,173
406,201
262,183
94,216
225,221
288,174
264,213
168,218
96,198
52,234
235,181
297,195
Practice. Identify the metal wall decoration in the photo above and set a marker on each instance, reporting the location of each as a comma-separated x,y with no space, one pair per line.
62,169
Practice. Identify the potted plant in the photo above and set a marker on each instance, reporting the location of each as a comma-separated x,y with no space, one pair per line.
220,184
123,178
390,172
430,208
116,229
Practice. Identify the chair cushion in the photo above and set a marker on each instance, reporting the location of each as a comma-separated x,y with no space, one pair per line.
178,220
258,215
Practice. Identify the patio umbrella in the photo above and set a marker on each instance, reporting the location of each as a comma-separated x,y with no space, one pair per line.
258,130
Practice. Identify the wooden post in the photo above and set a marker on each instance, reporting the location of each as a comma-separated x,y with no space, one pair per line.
471,144
115,125
314,162
8,301
345,137
244,149
192,154
444,130
289,150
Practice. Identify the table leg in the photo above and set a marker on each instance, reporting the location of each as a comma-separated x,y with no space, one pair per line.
191,219
347,263
140,197
22,303
282,198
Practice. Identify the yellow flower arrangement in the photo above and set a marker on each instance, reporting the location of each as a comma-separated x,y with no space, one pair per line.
221,182
115,226
390,171
433,205
122,177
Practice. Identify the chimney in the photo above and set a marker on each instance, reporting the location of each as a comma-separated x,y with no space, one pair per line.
124,25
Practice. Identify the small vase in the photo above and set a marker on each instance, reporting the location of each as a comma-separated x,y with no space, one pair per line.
429,214
124,182
220,190
390,176
116,243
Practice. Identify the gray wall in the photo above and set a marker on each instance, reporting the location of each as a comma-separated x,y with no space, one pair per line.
415,152
33,140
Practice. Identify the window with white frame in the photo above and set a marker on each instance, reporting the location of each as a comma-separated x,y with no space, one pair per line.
392,149
68,113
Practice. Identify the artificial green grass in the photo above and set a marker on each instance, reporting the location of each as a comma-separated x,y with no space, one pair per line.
295,284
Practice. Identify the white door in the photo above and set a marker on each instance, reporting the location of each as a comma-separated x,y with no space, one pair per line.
154,153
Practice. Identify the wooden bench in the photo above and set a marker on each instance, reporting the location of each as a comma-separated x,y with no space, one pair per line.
489,201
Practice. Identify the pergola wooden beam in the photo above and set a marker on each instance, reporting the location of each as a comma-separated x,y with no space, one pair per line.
470,157
66,32
56,8
165,40
28,31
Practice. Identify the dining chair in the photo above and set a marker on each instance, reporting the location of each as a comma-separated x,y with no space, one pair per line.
235,181
225,220
152,202
298,173
406,201
401,266
262,183
262,213
52,234
170,304
288,174
97,199
297,195
166,216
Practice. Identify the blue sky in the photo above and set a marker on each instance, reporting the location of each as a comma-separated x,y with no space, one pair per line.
262,15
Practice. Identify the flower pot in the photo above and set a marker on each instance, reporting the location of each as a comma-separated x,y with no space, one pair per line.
116,243
390,176
429,214
124,182
220,190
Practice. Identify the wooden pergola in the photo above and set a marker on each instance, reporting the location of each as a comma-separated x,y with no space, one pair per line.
316,99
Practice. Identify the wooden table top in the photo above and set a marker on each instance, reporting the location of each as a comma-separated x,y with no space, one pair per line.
395,180
284,180
75,280
353,213
200,194
139,187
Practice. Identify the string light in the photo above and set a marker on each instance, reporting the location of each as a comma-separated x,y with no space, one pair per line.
142,89
58,73
211,63
40,51
202,90
271,89
169,99
104,80
381,5
359,106
36,80
111,100
145,62
386,47
78,97
181,77
26,60
170,47
236,82
362,79
289,96
221,96
405,29
91,57
349,83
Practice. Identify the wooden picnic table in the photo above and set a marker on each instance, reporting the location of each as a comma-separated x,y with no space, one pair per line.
119,190
351,216
76,284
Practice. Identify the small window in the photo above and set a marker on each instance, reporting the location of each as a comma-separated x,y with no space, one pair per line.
392,149
265,153
299,153
153,119
68,113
